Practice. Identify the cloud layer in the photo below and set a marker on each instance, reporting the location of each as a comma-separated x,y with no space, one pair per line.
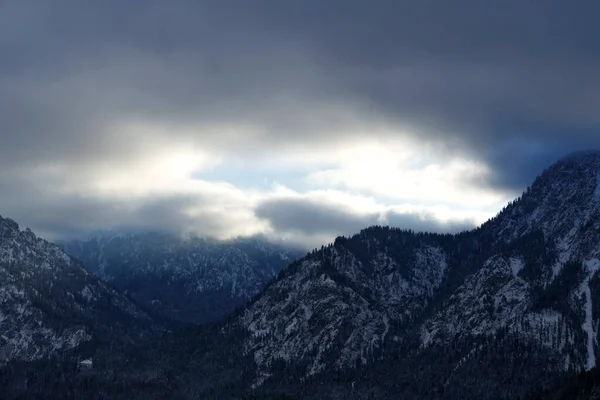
234,117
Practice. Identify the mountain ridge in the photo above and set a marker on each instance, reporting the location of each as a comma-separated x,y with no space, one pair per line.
49,303
192,279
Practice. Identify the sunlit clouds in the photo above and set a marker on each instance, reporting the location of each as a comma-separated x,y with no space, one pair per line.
342,188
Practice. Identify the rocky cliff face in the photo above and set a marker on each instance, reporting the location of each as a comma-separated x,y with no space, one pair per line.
336,307
50,304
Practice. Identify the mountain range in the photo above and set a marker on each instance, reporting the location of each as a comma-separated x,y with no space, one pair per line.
491,313
190,279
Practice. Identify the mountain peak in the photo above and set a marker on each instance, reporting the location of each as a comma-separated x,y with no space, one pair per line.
578,166
577,174
563,200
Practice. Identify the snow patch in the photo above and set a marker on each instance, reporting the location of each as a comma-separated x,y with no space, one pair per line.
386,323
593,266
565,249
597,193
87,293
588,325
516,265
259,380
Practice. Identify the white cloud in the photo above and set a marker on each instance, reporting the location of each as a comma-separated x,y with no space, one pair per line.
406,172
350,185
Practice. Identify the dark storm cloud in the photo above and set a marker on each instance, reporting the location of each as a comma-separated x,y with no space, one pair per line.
312,217
493,78
458,66
512,83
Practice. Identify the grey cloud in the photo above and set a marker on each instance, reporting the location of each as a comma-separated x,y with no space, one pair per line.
461,71
310,217
71,216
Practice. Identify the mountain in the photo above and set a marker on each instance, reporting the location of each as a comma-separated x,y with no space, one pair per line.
544,273
50,305
481,314
493,313
190,279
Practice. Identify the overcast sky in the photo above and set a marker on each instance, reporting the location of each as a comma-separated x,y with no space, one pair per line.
301,120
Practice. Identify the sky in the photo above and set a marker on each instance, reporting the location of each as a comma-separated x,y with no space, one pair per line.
298,120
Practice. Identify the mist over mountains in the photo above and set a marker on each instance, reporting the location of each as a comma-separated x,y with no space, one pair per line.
192,279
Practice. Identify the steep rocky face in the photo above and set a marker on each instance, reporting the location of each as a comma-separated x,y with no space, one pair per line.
194,279
49,303
336,307
563,203
526,280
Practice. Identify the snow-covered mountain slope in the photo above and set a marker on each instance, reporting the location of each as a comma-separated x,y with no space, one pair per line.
336,307
543,282
191,279
528,277
49,303
563,203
